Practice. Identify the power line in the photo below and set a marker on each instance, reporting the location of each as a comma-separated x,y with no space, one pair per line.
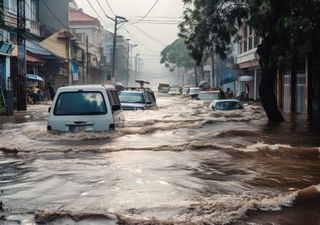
155,3
54,14
95,11
110,7
149,36
103,10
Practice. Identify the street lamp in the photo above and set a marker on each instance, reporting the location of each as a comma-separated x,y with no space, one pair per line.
117,20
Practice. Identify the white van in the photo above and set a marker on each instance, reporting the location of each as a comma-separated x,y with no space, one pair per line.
85,108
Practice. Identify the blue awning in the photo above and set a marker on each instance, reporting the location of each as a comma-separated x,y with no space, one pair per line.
35,48
33,77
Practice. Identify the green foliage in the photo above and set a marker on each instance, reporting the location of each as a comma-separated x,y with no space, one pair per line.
176,54
286,23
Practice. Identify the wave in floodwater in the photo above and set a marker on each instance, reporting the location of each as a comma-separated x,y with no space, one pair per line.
227,209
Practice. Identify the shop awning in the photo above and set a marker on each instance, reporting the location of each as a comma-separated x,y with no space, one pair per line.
35,48
33,77
30,58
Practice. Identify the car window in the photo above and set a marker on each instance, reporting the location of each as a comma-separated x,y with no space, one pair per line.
149,97
80,103
227,106
113,97
131,97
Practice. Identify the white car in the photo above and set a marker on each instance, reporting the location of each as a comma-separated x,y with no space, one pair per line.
226,105
85,108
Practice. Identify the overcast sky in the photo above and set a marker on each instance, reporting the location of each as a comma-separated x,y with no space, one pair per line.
149,34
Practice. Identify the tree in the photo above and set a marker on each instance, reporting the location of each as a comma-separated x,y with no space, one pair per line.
177,55
283,26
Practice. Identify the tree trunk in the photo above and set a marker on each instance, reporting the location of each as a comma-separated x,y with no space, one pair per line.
195,76
267,84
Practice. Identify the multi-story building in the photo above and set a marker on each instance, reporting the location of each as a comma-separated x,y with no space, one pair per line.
122,56
248,62
87,31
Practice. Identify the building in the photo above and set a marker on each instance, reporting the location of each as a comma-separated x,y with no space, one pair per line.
87,31
122,56
298,81
247,62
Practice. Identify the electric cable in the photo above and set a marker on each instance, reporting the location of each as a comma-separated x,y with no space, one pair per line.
110,7
94,11
155,3
103,10
64,25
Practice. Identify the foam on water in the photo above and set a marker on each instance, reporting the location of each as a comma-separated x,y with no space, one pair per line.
262,146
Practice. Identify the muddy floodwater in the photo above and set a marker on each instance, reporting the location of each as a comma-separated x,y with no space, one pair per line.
180,164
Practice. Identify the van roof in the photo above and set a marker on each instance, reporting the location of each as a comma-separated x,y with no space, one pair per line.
87,87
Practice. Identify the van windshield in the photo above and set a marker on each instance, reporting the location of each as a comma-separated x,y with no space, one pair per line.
80,103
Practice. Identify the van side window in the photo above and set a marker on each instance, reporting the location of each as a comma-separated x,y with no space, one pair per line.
149,97
113,98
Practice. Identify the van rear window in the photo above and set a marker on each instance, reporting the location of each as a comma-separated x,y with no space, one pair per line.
80,103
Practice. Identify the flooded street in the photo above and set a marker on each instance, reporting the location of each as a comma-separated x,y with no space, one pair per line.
180,164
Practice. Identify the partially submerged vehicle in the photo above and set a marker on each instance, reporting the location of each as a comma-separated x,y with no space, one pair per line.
138,98
193,92
226,105
175,90
209,95
163,87
85,108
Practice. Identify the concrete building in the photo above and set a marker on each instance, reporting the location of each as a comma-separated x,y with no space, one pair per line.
87,31
122,55
248,62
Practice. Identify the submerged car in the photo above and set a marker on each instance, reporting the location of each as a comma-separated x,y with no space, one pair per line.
193,92
175,91
85,108
137,99
209,95
163,88
226,105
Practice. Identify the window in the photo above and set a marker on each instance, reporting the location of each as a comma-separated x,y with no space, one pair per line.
131,97
12,5
34,10
80,103
248,41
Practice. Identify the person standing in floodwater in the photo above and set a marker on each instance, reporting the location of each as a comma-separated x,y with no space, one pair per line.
50,90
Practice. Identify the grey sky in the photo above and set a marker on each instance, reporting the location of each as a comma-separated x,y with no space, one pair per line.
151,37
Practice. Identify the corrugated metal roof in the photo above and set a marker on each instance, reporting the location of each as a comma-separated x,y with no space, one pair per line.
35,48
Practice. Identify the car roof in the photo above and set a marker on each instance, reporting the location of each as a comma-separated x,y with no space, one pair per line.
208,92
90,87
133,91
225,100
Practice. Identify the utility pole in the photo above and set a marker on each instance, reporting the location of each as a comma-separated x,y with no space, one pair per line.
21,74
122,20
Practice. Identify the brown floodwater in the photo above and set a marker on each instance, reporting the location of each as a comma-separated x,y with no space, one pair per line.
180,164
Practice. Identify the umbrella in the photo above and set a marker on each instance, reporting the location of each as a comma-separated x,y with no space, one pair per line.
34,77
245,78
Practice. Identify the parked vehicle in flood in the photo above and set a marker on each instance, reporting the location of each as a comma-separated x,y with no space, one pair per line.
175,91
85,108
135,98
194,91
209,95
226,105
163,88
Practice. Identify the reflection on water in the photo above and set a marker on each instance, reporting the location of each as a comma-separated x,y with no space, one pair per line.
181,164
